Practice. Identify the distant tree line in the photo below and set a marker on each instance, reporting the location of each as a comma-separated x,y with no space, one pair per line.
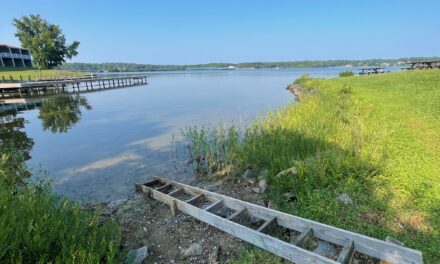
132,67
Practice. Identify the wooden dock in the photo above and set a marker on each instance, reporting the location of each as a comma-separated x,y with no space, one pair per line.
209,207
422,65
372,70
75,85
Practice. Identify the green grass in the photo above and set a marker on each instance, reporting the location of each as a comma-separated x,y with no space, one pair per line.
34,74
376,138
39,227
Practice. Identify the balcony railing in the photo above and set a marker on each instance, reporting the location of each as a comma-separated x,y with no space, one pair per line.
15,55
5,54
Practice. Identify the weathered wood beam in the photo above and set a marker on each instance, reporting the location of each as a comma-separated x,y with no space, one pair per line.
346,253
151,183
194,199
213,207
237,214
268,226
176,192
164,187
302,239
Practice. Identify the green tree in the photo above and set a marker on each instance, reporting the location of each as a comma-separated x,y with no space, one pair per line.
45,41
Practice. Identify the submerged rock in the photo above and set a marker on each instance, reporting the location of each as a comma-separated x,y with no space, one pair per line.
344,198
137,256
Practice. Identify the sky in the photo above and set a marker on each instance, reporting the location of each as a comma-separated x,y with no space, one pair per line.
201,31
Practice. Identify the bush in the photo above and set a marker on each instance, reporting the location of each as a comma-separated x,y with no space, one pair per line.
346,74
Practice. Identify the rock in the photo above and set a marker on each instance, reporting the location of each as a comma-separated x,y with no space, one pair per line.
325,249
344,198
289,196
254,220
251,181
264,173
214,256
223,212
262,184
248,174
194,249
211,187
292,170
256,189
137,256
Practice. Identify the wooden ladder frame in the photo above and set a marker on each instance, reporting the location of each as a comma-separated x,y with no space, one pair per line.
293,251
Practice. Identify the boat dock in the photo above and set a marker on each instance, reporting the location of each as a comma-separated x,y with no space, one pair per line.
421,65
24,89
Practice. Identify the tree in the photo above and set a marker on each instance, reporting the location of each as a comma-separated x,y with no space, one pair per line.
45,41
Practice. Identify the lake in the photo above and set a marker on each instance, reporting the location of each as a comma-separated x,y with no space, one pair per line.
95,146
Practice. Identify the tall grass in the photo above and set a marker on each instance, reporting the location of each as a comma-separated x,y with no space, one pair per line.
375,138
212,149
39,227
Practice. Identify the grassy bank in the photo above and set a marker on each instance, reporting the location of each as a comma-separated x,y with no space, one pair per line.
34,74
376,138
39,227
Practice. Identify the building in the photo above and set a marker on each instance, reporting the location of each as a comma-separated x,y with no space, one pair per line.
14,57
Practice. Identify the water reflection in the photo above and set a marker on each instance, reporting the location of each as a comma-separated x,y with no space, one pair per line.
12,137
59,114
15,147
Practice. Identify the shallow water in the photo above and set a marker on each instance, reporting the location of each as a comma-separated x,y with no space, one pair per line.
97,145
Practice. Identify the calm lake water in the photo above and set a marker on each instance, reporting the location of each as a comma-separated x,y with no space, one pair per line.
95,146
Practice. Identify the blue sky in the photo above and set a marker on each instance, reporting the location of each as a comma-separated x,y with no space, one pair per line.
187,31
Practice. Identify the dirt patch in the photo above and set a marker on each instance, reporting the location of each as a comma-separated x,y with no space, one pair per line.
147,222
